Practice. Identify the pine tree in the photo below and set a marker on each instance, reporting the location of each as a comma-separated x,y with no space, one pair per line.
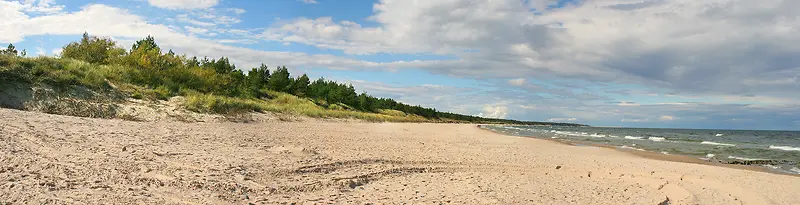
300,86
365,102
193,62
258,78
146,44
279,80
223,66
11,50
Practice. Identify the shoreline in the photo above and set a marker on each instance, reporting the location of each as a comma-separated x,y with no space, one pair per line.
653,155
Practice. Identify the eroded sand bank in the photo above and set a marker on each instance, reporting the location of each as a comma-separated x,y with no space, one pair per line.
61,159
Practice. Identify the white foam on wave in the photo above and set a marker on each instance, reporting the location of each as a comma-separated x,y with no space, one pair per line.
771,166
784,148
665,153
717,143
657,139
596,135
743,158
633,138
718,135
796,170
708,157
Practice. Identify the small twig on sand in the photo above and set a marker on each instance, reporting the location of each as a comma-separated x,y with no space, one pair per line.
169,154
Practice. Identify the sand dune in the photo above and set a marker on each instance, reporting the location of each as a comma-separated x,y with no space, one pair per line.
60,159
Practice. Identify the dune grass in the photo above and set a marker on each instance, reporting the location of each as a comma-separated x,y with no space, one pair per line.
288,104
68,73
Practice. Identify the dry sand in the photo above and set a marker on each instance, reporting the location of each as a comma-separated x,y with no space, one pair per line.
68,160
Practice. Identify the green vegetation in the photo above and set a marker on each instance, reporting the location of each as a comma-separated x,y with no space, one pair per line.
210,85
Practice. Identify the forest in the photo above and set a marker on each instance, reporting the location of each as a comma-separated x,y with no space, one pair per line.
154,73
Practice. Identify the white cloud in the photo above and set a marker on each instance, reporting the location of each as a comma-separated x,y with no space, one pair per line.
626,103
527,107
186,19
11,13
495,111
41,6
517,81
666,118
195,30
691,49
236,10
183,4
211,17
308,1
56,51
237,41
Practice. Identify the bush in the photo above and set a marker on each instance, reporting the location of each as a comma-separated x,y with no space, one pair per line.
93,49
221,104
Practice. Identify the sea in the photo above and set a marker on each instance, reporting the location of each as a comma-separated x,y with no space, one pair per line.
778,151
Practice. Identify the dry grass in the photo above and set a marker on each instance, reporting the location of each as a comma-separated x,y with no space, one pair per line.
71,74
288,104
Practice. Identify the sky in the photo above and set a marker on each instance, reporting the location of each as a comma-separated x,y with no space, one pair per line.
720,64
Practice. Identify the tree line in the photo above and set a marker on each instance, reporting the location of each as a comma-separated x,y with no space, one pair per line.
146,64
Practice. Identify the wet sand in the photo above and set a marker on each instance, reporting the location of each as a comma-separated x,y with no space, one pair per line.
60,159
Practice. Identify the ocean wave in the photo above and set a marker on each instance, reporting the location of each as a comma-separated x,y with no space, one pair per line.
633,138
708,157
784,148
718,135
596,135
717,143
744,158
657,139
633,148
771,166
796,170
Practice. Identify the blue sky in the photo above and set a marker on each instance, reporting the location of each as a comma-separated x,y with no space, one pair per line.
627,63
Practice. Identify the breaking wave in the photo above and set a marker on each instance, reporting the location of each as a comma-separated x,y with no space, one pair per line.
784,148
633,138
717,143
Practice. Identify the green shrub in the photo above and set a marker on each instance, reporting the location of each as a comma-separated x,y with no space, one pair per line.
335,107
221,104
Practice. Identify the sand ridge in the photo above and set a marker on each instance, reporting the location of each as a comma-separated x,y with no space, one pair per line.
60,159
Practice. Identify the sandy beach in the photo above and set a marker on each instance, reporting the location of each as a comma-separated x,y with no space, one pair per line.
51,159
